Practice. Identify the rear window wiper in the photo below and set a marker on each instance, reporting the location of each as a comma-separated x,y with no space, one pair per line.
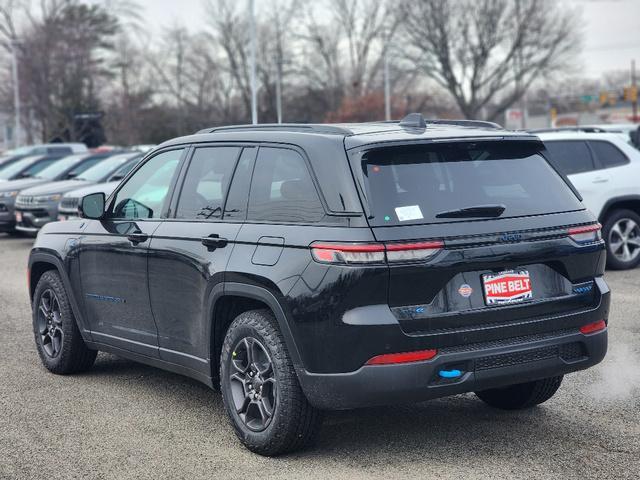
489,211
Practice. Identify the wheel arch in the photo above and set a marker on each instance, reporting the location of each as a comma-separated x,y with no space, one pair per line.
235,298
630,202
42,262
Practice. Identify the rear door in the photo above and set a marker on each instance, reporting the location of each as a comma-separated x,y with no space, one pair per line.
189,252
511,252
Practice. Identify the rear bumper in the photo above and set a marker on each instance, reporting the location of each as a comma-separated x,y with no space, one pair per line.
483,366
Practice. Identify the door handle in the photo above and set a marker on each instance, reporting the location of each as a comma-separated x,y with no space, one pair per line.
600,180
137,237
214,241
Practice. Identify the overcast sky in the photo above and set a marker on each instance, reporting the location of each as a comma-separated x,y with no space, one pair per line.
612,28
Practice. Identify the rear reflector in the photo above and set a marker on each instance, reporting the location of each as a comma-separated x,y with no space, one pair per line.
593,327
349,253
406,357
586,234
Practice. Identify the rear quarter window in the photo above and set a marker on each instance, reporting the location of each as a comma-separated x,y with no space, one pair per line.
607,154
570,157
282,189
414,184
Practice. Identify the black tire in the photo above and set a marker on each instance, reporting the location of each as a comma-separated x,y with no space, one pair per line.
69,354
294,424
523,395
620,217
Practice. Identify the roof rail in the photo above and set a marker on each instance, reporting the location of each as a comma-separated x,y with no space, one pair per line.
283,127
570,129
467,123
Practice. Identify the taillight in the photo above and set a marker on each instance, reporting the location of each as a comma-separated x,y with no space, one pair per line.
586,234
350,253
405,252
593,327
405,357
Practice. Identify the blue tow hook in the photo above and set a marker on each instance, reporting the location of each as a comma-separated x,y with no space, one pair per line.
450,373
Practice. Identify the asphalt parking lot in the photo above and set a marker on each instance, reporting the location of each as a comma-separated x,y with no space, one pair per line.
124,420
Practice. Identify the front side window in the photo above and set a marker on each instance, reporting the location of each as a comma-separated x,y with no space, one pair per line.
206,183
570,157
145,192
282,189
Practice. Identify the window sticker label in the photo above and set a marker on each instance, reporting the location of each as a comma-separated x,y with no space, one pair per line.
411,212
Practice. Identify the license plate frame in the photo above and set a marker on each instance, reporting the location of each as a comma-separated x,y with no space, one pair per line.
507,287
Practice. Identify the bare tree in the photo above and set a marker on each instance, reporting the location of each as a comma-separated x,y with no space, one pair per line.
344,51
487,53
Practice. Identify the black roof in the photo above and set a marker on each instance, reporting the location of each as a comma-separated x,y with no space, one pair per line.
412,127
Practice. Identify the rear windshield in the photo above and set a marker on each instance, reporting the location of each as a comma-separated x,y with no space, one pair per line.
421,183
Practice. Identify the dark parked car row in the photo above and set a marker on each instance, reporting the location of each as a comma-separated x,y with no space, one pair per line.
33,183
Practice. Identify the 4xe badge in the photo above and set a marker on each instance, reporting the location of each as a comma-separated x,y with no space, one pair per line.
507,287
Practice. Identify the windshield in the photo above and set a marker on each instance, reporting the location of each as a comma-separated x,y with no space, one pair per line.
104,169
15,168
429,183
53,171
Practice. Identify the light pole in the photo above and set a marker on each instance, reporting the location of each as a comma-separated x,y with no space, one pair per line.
387,86
252,54
16,93
279,88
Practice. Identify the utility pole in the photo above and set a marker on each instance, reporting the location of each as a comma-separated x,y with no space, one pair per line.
252,54
387,86
16,93
634,89
279,87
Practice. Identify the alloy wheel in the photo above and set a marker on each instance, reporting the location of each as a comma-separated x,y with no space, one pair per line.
253,384
624,240
50,323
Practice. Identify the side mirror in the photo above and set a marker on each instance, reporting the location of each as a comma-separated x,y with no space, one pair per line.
92,206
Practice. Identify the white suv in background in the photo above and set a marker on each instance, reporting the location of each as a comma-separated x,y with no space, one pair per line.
605,169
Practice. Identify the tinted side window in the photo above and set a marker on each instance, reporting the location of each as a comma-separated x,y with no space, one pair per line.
238,198
282,189
608,154
206,183
570,157
145,192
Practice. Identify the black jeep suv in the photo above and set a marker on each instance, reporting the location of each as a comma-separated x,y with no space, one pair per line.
310,267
